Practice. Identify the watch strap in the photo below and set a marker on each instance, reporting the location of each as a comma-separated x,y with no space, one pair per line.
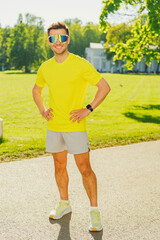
89,107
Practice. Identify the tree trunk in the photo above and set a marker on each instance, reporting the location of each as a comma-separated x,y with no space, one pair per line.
27,69
157,70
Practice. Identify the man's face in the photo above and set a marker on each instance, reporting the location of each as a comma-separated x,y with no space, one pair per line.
59,47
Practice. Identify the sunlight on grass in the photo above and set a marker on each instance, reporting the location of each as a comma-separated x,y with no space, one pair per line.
129,114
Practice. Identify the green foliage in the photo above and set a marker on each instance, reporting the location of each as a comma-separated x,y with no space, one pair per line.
118,33
4,39
91,33
26,46
71,21
144,42
77,42
112,6
1,31
26,43
153,7
81,36
144,39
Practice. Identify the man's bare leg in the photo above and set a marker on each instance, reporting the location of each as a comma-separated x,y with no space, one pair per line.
88,176
61,175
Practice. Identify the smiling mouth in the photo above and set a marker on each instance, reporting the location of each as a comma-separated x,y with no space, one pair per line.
58,47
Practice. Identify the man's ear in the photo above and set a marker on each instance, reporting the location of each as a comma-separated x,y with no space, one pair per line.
68,40
48,42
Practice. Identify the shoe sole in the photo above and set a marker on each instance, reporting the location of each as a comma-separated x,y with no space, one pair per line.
66,211
95,229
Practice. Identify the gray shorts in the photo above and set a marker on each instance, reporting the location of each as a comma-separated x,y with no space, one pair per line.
74,142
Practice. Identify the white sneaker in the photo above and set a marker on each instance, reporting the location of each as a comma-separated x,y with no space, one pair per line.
95,221
60,210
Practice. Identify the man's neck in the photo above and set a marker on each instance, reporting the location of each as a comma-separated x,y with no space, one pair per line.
61,57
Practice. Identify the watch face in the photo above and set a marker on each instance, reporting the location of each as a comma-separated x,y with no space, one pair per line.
89,107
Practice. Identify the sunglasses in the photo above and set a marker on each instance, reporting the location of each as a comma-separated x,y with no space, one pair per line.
61,38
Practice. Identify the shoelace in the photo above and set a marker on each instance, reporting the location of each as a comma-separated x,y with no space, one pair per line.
59,204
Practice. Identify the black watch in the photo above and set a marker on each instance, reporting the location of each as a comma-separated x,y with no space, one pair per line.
89,107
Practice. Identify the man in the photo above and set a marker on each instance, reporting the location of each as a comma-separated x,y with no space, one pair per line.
67,76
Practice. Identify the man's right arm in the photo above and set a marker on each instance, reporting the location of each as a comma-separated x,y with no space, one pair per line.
37,96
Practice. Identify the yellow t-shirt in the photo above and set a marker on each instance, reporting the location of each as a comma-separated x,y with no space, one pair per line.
68,83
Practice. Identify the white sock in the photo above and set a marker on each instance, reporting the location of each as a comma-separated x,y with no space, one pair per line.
66,201
94,208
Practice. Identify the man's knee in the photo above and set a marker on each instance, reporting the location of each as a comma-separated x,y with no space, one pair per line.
85,170
83,163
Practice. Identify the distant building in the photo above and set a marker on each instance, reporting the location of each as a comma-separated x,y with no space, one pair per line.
97,57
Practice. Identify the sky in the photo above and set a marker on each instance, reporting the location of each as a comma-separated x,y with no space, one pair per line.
52,11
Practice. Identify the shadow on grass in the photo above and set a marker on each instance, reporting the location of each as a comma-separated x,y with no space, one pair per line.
143,118
134,74
4,140
147,107
146,118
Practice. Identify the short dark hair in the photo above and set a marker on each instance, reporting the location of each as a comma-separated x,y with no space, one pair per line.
58,25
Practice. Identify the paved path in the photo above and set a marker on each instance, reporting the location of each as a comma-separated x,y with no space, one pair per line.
129,196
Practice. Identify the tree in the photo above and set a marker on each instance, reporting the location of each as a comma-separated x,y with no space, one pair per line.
91,33
143,43
76,45
119,33
26,43
81,36
145,33
26,46
71,21
4,38
116,34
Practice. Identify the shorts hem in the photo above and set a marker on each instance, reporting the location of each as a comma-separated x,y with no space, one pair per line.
79,152
52,151
70,152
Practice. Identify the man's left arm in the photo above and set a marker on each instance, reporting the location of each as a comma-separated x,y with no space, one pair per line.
102,92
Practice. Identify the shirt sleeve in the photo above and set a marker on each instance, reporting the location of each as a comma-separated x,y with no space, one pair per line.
40,81
90,74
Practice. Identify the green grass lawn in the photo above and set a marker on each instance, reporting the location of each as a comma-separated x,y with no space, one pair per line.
130,113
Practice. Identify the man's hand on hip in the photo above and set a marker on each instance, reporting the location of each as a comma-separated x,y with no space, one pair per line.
79,114
47,114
